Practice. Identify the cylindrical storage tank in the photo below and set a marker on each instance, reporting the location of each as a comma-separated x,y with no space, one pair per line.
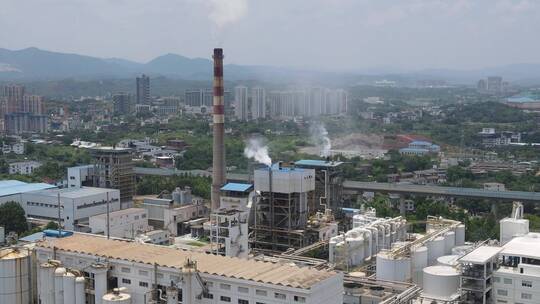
435,249
332,249
69,288
460,235
419,262
100,281
59,285
14,276
46,283
80,294
393,268
449,241
440,282
116,297
461,250
448,260
2,235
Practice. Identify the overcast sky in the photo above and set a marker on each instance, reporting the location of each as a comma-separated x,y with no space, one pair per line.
329,34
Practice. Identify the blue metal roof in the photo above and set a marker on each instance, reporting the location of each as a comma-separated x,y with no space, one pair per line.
317,163
237,187
12,187
350,210
421,142
414,150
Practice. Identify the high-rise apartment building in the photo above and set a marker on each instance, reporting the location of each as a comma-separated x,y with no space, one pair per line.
241,103
33,104
113,168
19,122
494,84
122,104
143,89
14,95
258,103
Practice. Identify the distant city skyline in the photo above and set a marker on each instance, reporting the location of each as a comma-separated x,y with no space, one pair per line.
321,34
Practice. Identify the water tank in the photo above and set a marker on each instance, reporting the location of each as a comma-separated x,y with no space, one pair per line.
511,228
435,249
177,196
419,262
116,297
391,268
46,283
440,282
462,250
14,276
59,285
69,288
2,235
448,260
460,235
80,296
449,241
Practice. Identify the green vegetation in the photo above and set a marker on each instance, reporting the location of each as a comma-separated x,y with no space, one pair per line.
200,186
12,217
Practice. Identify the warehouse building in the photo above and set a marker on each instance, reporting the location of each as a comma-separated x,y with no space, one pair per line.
179,276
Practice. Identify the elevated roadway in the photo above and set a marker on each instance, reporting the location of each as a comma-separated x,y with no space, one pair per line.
522,196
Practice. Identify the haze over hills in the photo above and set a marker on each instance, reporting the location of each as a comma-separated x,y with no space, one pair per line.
37,64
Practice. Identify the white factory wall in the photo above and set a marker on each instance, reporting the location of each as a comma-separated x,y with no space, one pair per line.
285,180
82,207
121,224
138,279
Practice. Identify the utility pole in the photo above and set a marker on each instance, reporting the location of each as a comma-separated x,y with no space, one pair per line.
108,222
59,216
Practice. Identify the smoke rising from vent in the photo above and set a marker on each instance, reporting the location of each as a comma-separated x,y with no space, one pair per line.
257,149
319,137
225,12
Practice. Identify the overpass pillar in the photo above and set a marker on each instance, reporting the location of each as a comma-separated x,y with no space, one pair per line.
399,200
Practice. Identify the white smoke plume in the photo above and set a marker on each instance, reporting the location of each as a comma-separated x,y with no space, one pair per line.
257,149
224,12
320,138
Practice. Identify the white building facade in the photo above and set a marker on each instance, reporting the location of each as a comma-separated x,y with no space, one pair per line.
24,168
127,223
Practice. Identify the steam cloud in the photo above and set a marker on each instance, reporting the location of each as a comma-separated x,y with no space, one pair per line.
319,137
256,149
224,12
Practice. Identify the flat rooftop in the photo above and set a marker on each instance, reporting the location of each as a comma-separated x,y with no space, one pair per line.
74,192
121,212
236,268
12,187
318,163
524,246
481,255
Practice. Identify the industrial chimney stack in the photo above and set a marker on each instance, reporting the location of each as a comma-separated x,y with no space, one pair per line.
218,164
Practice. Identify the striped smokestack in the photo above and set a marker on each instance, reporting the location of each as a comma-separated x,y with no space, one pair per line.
218,164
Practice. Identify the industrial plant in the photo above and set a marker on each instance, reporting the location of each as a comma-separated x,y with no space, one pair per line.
286,235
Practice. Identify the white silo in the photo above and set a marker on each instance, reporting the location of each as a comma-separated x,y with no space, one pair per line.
46,283
510,228
392,268
448,260
69,288
116,297
449,241
59,285
435,249
100,281
460,235
419,261
440,282
332,247
80,295
14,276
2,235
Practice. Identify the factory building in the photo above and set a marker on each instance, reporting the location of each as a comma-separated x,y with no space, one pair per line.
328,183
126,223
229,223
282,218
77,205
142,273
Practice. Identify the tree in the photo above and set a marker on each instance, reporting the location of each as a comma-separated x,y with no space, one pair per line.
12,217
